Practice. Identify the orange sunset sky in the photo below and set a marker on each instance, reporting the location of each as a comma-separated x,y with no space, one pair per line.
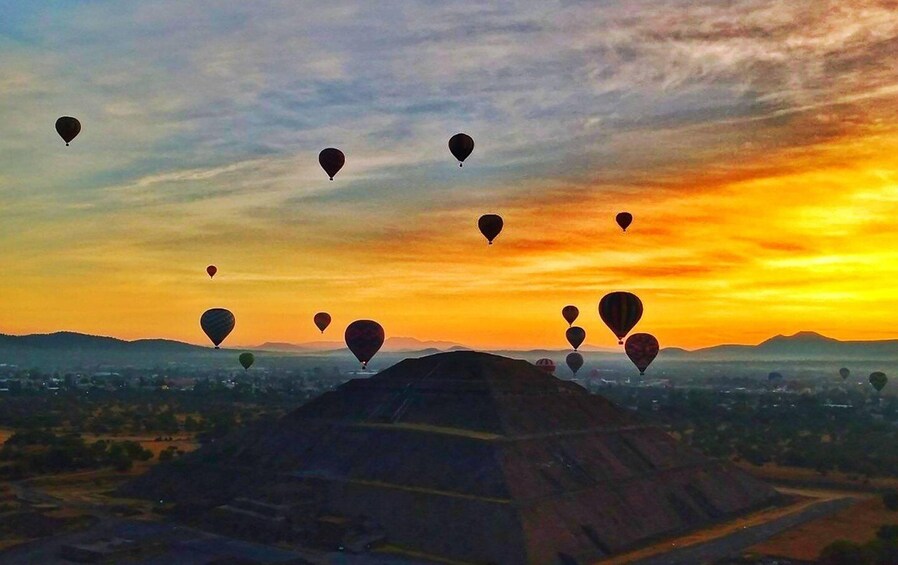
755,143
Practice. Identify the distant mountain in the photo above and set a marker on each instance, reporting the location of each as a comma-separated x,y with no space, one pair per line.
391,344
307,347
412,344
64,350
800,346
73,340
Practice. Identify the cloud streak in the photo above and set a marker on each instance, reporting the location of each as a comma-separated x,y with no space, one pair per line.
752,140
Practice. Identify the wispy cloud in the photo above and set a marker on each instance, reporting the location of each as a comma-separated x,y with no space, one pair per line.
751,139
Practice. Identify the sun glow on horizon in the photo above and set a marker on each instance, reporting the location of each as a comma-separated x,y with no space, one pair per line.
761,170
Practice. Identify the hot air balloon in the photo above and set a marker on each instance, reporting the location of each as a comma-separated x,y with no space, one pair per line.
211,270
490,226
570,314
461,145
773,376
575,336
624,219
642,350
620,311
247,360
844,372
331,160
574,362
546,365
217,323
364,338
322,320
878,380
68,128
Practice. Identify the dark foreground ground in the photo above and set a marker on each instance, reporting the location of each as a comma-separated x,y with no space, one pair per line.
737,542
161,543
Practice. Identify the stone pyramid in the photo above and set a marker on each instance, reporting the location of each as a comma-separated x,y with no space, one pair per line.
468,457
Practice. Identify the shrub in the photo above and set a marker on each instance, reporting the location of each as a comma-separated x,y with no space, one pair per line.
844,552
890,499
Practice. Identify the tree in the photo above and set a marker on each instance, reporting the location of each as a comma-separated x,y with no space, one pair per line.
844,552
890,499
888,532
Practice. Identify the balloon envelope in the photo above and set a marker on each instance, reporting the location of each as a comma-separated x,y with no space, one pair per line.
878,380
364,338
574,362
620,311
247,360
68,128
774,377
546,365
575,336
570,314
322,320
490,226
844,372
217,323
642,350
211,270
461,145
624,219
331,160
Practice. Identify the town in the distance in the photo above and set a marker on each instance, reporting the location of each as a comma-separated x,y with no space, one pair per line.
83,418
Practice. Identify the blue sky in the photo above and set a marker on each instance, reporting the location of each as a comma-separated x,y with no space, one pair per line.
202,122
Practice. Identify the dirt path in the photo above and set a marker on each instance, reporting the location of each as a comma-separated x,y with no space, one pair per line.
733,537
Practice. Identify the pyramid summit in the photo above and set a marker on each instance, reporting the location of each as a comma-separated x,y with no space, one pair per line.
461,456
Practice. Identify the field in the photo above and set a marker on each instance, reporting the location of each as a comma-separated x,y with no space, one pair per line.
857,523
810,478
35,507
799,502
183,442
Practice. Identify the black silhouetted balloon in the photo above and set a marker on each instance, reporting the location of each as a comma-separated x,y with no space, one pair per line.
844,372
217,323
575,336
546,365
878,380
322,320
642,350
624,219
364,338
490,226
570,313
247,360
620,311
574,362
68,128
331,160
211,270
461,145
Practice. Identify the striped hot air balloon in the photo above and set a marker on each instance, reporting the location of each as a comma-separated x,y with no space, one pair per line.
621,312
546,365
217,323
